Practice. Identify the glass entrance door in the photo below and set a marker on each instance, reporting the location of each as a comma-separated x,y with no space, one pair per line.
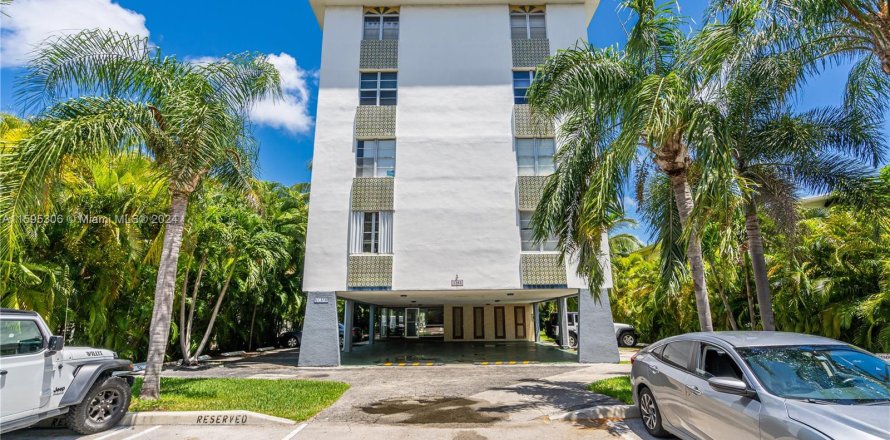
411,323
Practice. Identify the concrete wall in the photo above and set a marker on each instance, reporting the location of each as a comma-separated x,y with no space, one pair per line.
509,326
333,163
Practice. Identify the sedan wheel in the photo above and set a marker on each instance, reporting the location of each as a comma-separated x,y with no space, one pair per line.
292,342
650,414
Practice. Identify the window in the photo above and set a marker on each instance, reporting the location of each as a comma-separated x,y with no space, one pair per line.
378,88
375,158
527,22
678,353
716,362
371,233
381,24
457,323
535,157
528,235
478,323
19,337
522,79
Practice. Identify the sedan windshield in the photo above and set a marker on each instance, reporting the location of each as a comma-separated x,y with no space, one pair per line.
821,374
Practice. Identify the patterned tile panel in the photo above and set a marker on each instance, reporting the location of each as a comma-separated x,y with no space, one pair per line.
369,271
530,52
379,54
542,270
372,193
530,190
375,122
527,126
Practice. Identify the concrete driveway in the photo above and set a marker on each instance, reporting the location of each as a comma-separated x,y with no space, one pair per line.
463,402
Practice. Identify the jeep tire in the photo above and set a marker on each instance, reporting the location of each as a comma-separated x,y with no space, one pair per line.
103,407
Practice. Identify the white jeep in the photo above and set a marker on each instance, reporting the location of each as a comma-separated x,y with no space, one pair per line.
39,379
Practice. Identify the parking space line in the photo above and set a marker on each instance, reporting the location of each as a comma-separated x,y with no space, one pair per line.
112,433
140,434
293,433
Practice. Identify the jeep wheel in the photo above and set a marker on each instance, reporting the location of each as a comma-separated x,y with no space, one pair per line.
573,340
627,339
102,408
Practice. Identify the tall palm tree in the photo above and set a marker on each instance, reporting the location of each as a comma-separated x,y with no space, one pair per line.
612,103
103,91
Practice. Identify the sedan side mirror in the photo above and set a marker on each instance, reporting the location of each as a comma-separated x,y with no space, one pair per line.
730,385
56,343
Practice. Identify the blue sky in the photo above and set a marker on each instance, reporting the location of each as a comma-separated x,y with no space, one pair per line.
287,30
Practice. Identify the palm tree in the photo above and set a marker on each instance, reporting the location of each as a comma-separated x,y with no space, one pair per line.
610,103
103,91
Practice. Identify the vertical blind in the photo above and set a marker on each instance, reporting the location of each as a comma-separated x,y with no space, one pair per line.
382,235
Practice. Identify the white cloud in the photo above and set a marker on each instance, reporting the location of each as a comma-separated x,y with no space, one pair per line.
29,22
629,202
291,111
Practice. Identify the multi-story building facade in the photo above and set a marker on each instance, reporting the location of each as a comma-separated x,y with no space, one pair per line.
426,169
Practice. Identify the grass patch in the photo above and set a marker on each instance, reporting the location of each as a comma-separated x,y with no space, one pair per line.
617,387
297,400
544,338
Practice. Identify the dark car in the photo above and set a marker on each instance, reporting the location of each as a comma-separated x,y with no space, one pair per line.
290,339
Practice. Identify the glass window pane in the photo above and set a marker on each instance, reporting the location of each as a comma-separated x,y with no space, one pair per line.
545,147
372,27
390,28
365,167
368,100
545,166
519,96
369,76
537,27
525,147
19,337
550,244
518,26
388,98
389,76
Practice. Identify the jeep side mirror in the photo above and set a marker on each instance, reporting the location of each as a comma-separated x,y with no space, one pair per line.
56,343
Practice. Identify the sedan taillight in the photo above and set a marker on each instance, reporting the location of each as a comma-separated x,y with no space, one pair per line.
633,357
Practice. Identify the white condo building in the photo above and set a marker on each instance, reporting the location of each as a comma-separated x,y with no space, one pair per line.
426,170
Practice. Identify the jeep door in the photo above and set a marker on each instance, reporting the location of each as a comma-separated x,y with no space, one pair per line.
22,361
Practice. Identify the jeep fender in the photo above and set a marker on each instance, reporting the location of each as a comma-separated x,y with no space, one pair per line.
86,377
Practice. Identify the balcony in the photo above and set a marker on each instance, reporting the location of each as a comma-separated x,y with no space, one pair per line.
528,53
542,269
369,271
375,122
372,194
379,54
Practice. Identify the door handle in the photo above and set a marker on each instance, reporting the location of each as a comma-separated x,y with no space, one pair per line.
653,369
693,390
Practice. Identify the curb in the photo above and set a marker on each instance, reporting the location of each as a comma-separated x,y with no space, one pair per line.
236,417
505,362
600,412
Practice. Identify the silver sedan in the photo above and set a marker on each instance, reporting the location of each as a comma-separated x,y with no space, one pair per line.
761,385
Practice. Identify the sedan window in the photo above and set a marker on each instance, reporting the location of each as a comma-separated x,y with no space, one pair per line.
678,353
715,362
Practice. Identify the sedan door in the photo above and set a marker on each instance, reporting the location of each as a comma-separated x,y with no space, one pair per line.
714,414
669,379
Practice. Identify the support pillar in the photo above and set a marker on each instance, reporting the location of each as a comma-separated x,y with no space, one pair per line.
596,332
537,309
371,324
562,307
320,341
348,312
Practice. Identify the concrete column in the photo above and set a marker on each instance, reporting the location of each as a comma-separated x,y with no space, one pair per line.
320,344
562,307
537,308
371,324
596,333
348,311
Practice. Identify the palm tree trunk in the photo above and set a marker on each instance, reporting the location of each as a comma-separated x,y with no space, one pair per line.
729,316
751,313
758,264
188,329
250,334
683,197
183,346
165,288
219,301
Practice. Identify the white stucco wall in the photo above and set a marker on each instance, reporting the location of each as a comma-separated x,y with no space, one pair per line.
456,170
333,162
455,181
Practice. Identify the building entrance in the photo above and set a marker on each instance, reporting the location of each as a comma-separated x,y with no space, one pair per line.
412,322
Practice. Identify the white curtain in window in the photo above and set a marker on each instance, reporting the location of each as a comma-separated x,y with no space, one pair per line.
385,232
355,232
